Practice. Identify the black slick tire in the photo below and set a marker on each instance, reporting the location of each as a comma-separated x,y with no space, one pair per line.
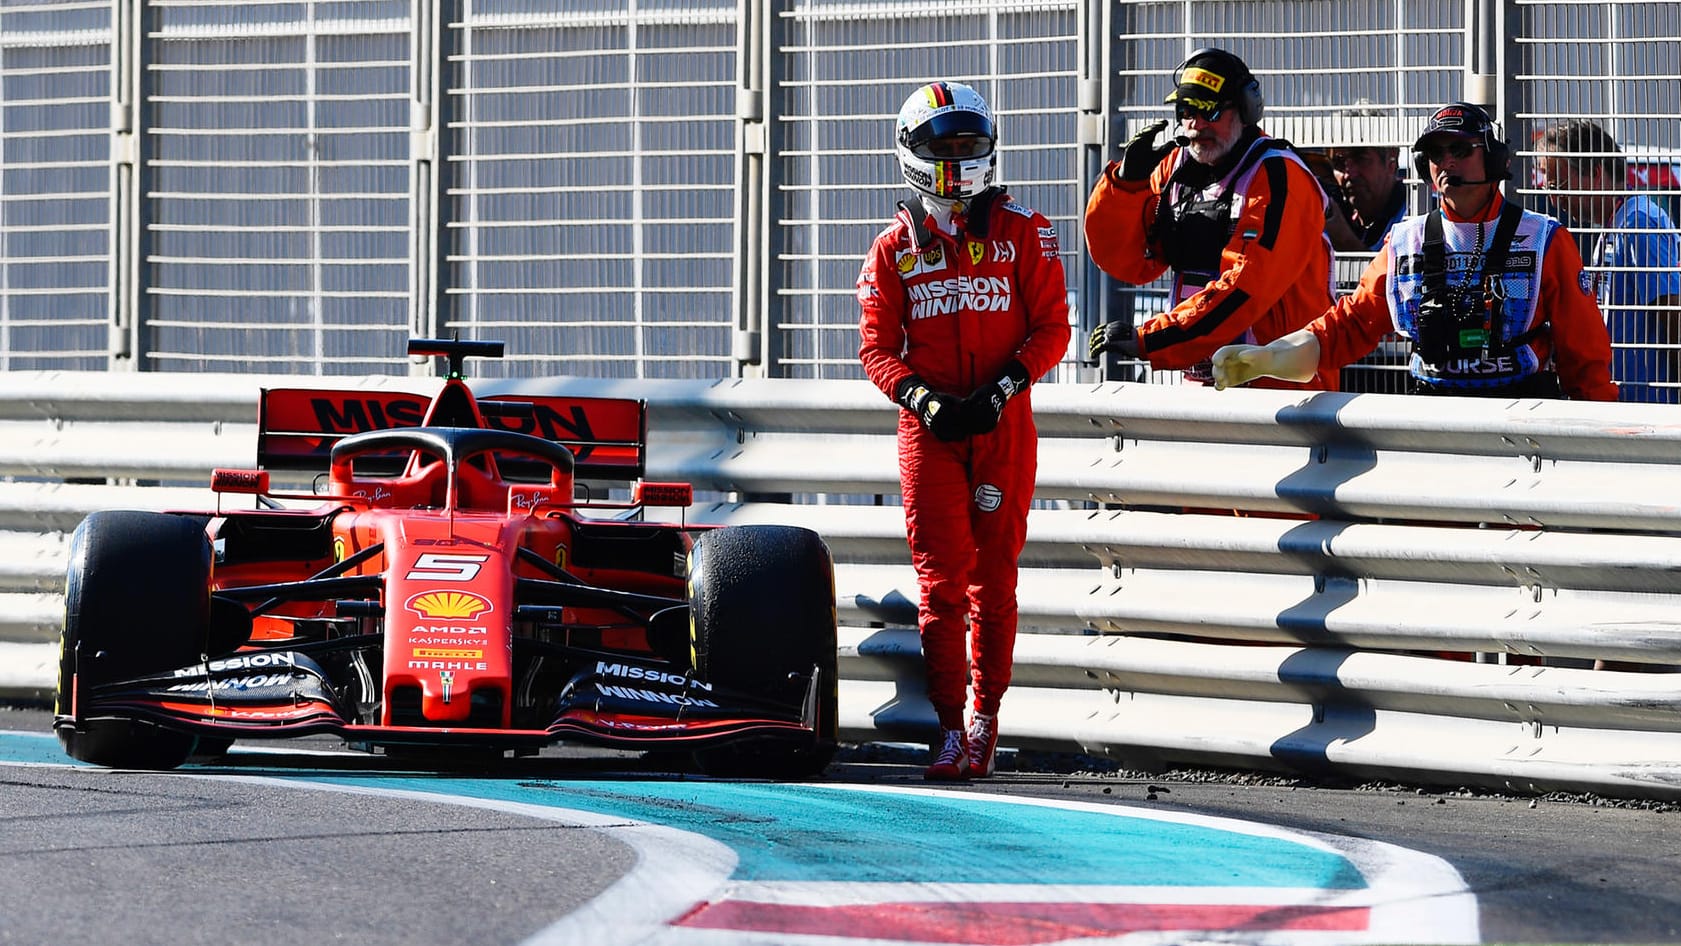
762,618
137,601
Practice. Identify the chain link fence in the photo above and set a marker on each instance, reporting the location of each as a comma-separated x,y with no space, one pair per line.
676,188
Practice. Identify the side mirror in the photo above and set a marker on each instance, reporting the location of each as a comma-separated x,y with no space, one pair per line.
239,481
679,495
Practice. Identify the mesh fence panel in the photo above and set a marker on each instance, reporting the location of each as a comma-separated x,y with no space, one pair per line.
591,186
848,68
277,186
1616,180
590,153
55,185
1318,63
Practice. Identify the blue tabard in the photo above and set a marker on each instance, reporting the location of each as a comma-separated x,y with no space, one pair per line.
1481,335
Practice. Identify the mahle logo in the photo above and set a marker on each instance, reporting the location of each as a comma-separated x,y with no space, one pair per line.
448,604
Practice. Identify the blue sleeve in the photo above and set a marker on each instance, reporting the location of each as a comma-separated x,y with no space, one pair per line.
1650,255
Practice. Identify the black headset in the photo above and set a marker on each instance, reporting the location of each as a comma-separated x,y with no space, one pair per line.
1497,155
1250,105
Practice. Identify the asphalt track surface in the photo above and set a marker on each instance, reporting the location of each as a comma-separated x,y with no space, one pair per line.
95,856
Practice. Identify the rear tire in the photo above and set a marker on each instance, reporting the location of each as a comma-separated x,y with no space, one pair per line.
762,616
137,601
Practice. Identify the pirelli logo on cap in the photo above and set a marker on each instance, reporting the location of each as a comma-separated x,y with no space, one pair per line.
1197,76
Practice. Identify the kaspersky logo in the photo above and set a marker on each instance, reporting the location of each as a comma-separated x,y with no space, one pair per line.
448,605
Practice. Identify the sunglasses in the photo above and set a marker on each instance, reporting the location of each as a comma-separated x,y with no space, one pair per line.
1183,111
1458,148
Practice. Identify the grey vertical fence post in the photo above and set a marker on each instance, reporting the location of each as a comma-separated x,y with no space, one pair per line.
450,134
1097,130
426,175
1512,95
1484,27
751,220
129,84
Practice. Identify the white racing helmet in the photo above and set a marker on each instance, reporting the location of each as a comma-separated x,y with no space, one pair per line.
942,111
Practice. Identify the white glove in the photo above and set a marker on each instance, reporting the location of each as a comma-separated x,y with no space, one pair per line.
1295,357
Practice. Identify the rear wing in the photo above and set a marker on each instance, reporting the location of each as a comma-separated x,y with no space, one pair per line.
297,427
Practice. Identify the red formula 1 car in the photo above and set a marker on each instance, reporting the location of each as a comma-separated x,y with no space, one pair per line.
447,597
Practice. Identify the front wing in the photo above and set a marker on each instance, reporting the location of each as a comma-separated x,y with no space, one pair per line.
292,697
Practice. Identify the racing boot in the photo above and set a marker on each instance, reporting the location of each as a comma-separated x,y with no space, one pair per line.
983,744
951,759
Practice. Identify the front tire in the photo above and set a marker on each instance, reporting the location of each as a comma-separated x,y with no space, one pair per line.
137,602
762,617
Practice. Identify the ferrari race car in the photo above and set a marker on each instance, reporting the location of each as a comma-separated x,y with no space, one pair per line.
444,595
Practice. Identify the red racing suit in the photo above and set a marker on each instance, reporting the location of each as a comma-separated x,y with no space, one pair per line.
1266,264
956,311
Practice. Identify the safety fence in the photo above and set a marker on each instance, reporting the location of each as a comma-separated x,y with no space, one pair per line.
671,188
1409,589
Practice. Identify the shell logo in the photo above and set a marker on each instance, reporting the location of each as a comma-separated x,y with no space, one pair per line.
448,604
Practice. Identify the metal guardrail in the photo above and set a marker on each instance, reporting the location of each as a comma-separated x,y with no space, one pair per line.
1378,536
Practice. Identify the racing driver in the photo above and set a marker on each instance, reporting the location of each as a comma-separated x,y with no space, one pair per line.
964,304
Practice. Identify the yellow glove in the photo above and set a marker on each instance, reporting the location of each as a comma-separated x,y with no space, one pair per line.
1236,365
1295,357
